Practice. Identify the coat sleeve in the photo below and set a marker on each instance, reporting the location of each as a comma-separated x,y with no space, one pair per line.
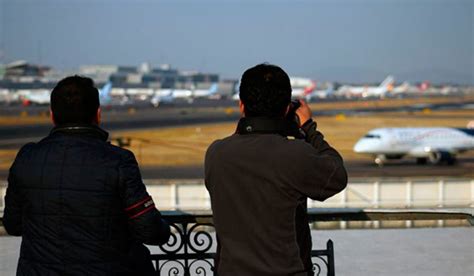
12,214
144,219
323,172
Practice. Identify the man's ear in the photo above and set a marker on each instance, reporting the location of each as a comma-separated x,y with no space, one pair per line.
51,116
98,116
242,109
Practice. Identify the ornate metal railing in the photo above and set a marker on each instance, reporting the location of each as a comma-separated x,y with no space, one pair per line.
191,248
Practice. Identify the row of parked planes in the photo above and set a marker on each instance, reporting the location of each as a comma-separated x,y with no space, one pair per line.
303,88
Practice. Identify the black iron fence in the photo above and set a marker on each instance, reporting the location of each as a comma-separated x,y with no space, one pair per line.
192,246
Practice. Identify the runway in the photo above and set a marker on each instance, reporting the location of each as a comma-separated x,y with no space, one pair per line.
145,117
211,111
356,169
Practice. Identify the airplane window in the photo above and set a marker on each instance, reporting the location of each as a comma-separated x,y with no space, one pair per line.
372,136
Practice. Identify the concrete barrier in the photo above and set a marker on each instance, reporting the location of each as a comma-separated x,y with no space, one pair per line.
191,194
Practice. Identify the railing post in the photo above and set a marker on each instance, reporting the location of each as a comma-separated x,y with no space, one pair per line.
472,193
440,199
331,265
343,224
173,196
441,193
176,196
409,199
376,201
376,195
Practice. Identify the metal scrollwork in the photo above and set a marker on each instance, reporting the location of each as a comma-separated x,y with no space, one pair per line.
200,241
176,241
319,268
173,268
188,251
202,267
191,251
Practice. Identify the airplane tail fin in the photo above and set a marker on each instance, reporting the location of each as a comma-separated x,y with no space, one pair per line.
214,88
104,93
330,89
310,88
387,82
425,85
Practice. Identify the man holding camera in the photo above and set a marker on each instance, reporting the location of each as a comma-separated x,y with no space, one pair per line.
260,178
79,202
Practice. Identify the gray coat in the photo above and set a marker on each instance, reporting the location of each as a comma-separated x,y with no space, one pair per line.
259,180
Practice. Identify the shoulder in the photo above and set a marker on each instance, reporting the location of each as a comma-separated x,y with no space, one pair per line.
220,143
25,151
124,155
292,149
218,146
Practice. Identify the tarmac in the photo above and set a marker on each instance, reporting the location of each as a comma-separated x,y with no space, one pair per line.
213,111
385,252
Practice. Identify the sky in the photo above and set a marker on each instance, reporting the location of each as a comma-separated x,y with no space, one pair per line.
344,40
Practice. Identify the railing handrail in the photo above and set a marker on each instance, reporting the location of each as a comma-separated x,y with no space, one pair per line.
352,180
341,214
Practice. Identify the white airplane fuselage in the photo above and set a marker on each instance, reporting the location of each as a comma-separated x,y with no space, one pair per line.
436,144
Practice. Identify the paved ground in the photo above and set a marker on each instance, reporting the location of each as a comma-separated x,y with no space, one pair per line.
417,252
356,169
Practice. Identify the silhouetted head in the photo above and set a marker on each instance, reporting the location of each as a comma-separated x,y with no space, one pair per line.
75,100
265,91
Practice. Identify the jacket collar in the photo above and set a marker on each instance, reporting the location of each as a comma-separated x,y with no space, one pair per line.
264,125
81,129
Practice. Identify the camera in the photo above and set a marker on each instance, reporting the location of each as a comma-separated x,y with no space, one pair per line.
291,115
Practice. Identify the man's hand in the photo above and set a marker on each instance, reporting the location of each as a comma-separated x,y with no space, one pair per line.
303,112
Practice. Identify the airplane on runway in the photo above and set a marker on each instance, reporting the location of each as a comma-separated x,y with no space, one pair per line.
202,93
43,96
301,87
321,94
35,97
170,95
437,144
367,91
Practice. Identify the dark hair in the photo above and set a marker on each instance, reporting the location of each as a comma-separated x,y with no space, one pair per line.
265,91
74,100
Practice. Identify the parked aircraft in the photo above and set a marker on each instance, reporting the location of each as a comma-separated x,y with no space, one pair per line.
162,96
43,96
7,97
170,95
35,97
301,87
405,88
367,91
321,94
202,93
437,144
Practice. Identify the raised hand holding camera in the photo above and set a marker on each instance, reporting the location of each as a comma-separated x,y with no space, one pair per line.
303,112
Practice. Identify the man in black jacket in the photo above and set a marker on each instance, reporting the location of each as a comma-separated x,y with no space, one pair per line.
260,177
79,202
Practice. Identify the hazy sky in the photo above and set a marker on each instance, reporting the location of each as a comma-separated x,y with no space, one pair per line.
346,40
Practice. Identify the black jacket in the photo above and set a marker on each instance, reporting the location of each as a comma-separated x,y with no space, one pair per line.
259,180
80,205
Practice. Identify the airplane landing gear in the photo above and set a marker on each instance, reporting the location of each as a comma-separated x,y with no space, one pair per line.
380,160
